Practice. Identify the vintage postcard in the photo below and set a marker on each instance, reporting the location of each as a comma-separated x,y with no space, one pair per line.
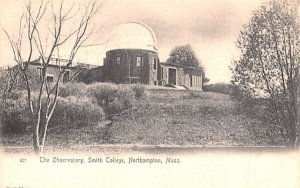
149,93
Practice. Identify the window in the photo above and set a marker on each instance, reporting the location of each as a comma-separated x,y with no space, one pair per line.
162,72
118,60
138,61
40,71
154,63
49,78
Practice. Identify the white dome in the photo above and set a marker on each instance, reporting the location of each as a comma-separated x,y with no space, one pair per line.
132,35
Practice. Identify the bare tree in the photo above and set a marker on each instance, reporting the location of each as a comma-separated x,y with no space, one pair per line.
56,18
268,67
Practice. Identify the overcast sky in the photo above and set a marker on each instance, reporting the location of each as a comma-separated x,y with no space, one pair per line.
210,26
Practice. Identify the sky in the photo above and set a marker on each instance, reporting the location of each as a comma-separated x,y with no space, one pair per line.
210,26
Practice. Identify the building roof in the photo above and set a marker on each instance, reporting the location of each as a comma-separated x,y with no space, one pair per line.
133,35
179,65
186,69
37,62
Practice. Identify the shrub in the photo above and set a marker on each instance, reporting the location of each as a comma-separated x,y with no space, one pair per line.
219,88
14,115
73,89
76,111
70,112
245,103
139,91
77,105
111,98
267,130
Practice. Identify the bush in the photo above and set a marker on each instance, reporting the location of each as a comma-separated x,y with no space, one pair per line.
267,130
77,105
111,98
76,111
14,114
73,89
72,111
139,91
218,88
245,103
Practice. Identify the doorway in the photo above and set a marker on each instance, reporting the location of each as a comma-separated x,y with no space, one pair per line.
66,76
172,76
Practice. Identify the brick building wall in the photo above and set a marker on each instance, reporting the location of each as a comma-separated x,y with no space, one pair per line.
131,66
91,75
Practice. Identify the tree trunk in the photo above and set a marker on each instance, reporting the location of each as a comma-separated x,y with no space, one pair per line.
297,141
45,133
293,137
36,146
36,139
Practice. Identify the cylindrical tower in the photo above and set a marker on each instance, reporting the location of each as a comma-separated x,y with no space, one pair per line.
131,55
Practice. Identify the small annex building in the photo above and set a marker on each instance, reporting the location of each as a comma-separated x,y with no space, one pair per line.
174,74
73,72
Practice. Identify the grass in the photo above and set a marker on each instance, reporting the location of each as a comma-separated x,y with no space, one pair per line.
163,117
181,118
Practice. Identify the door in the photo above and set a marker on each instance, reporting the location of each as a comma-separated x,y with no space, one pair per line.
66,76
172,76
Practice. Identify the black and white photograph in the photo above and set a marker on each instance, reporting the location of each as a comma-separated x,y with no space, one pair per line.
150,93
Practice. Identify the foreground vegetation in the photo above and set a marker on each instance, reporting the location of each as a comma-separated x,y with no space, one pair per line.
268,66
105,113
185,117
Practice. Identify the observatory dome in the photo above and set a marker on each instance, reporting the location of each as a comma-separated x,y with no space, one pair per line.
132,35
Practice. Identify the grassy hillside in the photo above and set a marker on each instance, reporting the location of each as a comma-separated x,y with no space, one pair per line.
165,117
182,117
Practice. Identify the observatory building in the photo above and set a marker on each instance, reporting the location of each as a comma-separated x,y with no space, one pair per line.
131,55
